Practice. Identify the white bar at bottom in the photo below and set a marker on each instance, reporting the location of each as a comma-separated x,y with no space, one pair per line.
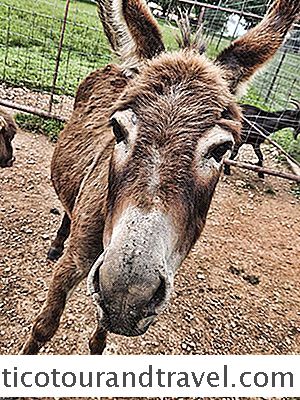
149,376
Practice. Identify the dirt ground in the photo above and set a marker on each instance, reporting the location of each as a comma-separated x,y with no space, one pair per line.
237,293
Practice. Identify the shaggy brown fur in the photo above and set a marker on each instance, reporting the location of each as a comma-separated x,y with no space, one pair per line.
88,126
8,129
178,103
180,120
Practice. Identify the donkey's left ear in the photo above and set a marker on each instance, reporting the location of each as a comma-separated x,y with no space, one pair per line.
250,52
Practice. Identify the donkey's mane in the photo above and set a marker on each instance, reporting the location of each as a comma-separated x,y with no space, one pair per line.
188,40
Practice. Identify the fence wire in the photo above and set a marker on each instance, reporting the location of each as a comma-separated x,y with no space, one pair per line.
29,45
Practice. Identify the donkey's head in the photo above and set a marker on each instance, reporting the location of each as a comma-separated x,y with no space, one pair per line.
173,125
7,133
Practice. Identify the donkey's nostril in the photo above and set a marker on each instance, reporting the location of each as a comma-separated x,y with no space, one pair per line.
158,297
144,324
10,162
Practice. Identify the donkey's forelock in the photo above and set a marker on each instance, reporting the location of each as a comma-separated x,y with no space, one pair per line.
185,82
186,39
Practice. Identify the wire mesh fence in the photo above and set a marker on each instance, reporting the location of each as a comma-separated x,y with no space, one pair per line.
30,44
226,20
48,46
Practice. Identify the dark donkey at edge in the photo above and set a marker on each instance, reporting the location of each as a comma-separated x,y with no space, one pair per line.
268,122
8,130
137,165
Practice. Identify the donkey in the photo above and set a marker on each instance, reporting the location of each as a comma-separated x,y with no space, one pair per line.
268,122
8,129
137,165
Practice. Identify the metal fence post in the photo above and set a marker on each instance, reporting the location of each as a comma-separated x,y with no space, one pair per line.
58,57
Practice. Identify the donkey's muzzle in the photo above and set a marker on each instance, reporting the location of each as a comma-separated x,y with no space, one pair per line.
126,306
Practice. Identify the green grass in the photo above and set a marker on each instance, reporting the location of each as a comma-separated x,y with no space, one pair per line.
29,38
215,45
286,140
283,137
286,84
45,126
169,32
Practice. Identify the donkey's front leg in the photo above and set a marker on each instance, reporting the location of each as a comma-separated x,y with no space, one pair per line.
65,278
97,342
234,153
57,246
260,157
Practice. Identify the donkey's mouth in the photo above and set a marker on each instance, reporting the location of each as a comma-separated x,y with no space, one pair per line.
125,325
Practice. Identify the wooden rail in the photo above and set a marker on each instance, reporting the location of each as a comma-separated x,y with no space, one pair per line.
267,171
31,110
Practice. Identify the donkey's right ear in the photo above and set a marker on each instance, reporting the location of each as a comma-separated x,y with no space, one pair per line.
131,30
250,52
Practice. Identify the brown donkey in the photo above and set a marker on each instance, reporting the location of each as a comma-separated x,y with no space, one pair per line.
137,165
8,129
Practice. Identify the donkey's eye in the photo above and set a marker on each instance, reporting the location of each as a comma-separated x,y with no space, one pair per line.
225,114
219,151
118,130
